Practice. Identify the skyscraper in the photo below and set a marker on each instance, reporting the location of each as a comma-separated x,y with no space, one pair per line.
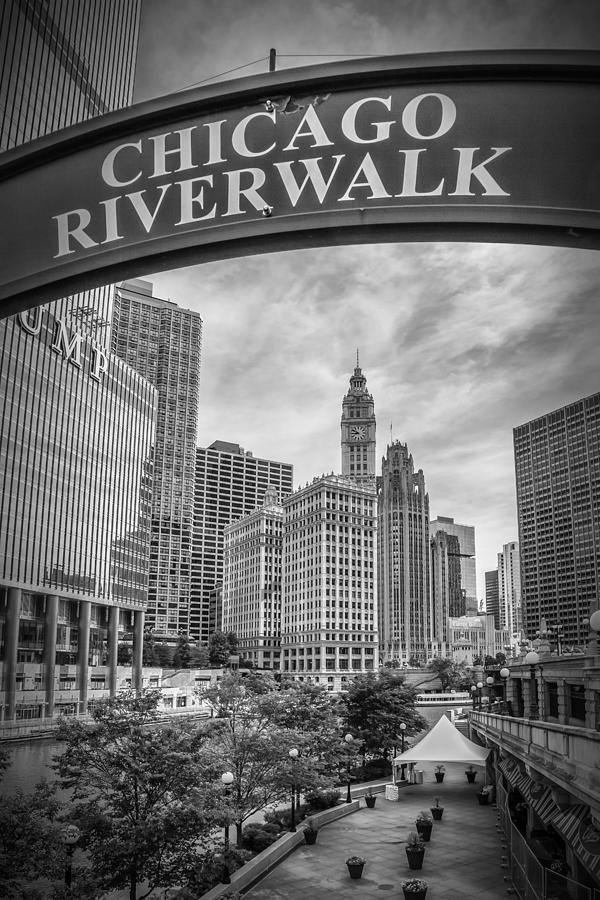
492,596
329,610
162,342
252,574
557,465
358,429
405,618
229,483
77,424
509,591
447,597
466,550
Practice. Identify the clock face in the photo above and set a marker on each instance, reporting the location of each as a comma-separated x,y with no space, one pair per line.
358,432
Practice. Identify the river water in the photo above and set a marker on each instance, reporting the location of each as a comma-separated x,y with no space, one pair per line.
32,760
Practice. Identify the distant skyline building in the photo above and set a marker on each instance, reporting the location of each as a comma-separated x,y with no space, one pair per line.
468,564
509,591
557,466
405,615
163,343
252,582
492,595
475,637
358,430
447,596
329,608
229,483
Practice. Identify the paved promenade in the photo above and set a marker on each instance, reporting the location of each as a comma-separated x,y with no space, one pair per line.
462,860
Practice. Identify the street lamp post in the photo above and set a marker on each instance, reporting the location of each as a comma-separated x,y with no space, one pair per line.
349,740
403,765
489,681
227,779
479,695
70,836
504,675
473,690
532,659
293,754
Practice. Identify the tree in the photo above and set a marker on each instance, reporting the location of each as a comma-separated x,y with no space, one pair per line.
183,652
124,655
374,708
218,649
140,796
149,656
164,654
501,659
451,674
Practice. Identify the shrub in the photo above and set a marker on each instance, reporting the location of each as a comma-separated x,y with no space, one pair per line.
414,842
322,799
283,816
257,837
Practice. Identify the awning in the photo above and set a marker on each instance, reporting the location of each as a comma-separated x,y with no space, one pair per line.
511,771
576,826
539,797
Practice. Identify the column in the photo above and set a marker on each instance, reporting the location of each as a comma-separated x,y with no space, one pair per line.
113,647
50,623
11,640
83,652
138,647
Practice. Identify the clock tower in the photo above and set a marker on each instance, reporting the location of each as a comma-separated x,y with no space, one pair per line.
358,429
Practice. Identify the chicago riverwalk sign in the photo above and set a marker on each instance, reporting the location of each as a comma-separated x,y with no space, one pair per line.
494,146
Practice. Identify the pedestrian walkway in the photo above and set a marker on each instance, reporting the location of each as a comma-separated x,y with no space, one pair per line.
463,860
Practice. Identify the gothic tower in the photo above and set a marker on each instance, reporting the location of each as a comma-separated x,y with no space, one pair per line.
358,429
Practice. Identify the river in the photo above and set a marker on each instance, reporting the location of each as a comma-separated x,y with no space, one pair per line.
32,760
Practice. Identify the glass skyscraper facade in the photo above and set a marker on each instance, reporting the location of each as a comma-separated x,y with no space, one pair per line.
557,464
76,424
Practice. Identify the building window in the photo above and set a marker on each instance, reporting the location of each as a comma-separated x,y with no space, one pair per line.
576,697
552,696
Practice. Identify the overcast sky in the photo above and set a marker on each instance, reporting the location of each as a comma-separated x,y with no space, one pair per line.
459,342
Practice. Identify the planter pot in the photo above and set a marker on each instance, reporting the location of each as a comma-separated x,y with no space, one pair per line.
310,837
483,799
437,812
415,895
424,830
439,777
370,801
471,777
415,858
355,871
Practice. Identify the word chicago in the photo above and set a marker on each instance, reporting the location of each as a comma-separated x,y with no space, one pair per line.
192,177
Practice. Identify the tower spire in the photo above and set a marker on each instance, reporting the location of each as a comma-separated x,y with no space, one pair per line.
357,362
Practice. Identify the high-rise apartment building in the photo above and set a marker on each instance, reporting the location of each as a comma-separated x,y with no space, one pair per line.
329,614
509,591
358,430
252,573
229,483
468,565
163,342
447,596
492,596
405,617
76,424
557,465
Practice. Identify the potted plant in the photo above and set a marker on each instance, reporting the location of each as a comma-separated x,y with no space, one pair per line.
370,798
484,795
424,824
437,811
439,773
355,866
311,829
415,850
414,889
470,773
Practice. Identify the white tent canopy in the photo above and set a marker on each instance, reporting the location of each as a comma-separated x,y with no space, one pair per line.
444,743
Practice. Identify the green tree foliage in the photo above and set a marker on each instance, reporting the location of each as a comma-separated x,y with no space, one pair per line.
500,659
31,844
218,649
232,641
140,796
452,675
183,653
164,654
375,706
149,655
124,655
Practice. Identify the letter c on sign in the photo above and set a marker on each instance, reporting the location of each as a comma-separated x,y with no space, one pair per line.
108,166
447,120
